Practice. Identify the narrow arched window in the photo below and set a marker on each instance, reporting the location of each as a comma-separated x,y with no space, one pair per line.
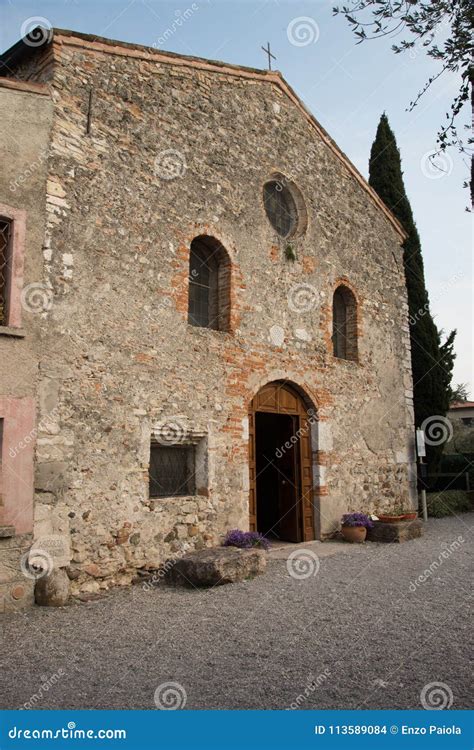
209,284
344,324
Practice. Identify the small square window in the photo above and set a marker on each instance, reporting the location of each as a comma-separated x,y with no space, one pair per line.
172,470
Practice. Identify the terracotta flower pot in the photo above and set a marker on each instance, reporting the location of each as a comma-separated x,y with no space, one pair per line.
354,533
400,517
389,519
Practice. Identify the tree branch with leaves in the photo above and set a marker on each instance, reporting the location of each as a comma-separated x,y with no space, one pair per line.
441,29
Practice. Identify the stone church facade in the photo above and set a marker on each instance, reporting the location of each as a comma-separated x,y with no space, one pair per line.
204,321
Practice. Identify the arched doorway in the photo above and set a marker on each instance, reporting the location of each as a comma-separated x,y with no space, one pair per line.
280,460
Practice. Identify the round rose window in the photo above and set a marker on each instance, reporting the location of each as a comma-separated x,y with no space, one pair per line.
280,207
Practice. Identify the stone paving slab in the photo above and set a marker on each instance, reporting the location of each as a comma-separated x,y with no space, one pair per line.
282,550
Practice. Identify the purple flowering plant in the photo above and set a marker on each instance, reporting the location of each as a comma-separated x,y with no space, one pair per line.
245,539
357,519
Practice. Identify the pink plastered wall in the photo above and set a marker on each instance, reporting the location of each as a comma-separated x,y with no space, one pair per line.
17,469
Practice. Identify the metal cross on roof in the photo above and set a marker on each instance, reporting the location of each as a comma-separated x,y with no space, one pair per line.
270,56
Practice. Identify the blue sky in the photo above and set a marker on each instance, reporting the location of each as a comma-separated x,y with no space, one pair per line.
347,87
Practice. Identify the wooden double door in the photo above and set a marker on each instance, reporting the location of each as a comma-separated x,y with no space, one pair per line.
281,481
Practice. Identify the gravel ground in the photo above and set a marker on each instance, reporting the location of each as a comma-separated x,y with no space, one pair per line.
353,636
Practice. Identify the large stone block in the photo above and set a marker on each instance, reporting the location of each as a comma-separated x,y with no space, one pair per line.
214,567
51,532
49,476
48,398
52,590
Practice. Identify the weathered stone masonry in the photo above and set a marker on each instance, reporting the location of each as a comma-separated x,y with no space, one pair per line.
114,353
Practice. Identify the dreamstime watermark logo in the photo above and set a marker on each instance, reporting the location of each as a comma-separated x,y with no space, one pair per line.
441,27
70,732
437,429
436,164
165,568
302,31
37,297
313,684
167,302
169,431
179,19
170,696
277,335
170,164
36,563
43,426
302,563
293,440
426,307
436,696
37,30
433,567
46,684
28,172
302,298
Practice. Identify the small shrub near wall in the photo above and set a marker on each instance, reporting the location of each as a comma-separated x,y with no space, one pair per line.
449,503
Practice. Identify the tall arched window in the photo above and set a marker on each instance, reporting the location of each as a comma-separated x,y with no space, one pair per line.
344,323
209,284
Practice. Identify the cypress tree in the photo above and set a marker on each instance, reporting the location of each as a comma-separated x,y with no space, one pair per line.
432,361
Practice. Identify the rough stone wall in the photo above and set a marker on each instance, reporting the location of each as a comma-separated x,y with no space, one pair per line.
119,356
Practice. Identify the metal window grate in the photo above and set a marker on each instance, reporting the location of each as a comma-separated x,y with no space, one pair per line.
199,288
5,235
171,470
339,322
280,207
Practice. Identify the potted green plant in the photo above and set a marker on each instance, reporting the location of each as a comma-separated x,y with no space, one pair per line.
354,526
399,513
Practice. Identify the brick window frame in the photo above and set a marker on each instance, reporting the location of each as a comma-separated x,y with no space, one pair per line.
15,264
